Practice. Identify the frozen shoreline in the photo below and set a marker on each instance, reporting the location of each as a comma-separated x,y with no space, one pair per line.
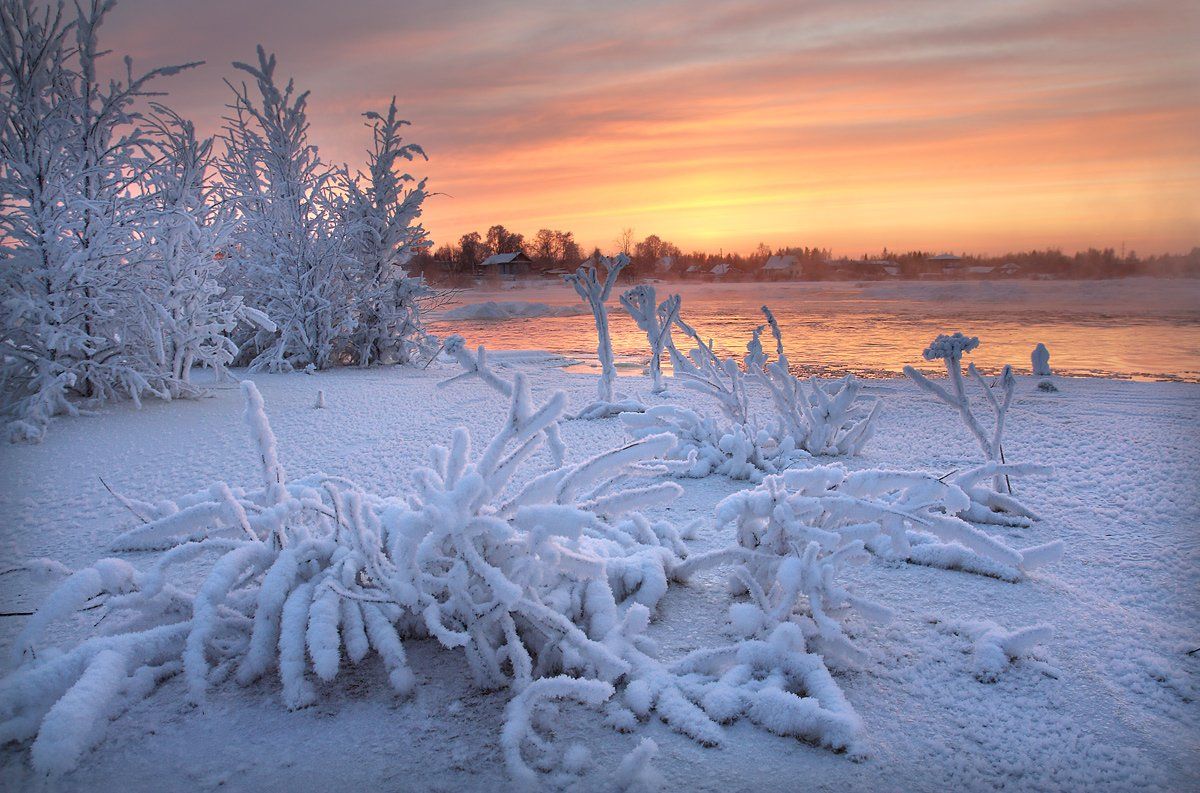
1121,712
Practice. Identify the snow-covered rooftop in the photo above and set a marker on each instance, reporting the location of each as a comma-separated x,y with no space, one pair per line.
503,258
780,263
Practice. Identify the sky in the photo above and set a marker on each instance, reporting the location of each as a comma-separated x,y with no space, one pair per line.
940,125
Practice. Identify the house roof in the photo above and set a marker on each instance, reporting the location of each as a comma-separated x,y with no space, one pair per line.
945,257
720,269
780,263
504,258
665,262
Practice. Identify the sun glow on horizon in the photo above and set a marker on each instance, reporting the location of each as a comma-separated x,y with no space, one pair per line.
985,127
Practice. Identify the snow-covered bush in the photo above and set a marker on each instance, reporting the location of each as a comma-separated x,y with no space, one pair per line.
530,581
795,532
825,419
950,350
595,292
655,320
832,419
835,514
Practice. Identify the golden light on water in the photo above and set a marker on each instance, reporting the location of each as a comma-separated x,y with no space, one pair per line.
1150,330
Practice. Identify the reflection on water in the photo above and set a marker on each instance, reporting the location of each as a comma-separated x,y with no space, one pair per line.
1136,328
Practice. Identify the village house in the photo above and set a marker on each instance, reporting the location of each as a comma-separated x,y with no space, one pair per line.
506,265
944,264
781,268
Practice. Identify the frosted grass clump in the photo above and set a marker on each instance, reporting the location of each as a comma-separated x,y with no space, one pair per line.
829,419
950,350
312,574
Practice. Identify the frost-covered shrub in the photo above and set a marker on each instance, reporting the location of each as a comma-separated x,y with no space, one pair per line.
655,320
994,648
830,419
835,514
595,292
795,532
950,350
313,573
825,419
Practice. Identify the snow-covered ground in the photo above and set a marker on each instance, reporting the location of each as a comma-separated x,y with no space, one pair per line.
1111,705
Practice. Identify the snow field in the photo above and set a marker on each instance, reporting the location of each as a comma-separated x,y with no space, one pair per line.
1119,710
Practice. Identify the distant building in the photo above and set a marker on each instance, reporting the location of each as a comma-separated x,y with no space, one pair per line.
719,270
507,265
664,265
781,268
882,267
692,269
945,264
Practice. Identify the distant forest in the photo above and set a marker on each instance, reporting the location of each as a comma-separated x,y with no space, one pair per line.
551,252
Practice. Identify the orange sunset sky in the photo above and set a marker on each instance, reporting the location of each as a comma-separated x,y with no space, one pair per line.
964,126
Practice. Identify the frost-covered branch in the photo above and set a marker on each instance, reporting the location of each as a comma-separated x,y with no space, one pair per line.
655,320
477,366
595,292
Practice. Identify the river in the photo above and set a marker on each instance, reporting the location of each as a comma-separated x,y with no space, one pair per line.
1142,329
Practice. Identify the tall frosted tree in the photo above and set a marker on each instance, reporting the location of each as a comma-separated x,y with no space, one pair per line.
292,253
74,160
381,209
189,315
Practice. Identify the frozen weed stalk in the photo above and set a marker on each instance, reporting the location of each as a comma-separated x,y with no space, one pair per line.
989,506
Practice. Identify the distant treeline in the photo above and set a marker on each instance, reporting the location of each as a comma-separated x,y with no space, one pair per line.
551,251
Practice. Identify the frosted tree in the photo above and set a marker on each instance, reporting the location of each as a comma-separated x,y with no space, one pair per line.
381,208
294,256
184,302
73,164
655,320
595,292
950,350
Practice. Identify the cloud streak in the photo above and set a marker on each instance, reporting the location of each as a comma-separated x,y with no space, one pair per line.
967,126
